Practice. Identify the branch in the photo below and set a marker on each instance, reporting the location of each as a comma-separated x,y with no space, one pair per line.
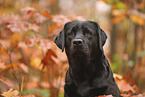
14,74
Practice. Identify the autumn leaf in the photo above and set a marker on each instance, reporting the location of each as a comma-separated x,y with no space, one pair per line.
6,32
36,62
117,19
6,81
137,19
123,85
53,27
10,66
10,93
48,60
24,67
16,38
29,12
46,14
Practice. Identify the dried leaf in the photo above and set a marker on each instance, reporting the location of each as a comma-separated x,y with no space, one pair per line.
10,93
29,12
24,67
29,15
46,14
124,86
47,60
6,32
6,81
16,38
30,41
53,27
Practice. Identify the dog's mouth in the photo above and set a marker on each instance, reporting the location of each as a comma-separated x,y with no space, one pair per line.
79,53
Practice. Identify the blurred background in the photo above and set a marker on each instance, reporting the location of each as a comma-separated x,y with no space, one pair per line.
32,65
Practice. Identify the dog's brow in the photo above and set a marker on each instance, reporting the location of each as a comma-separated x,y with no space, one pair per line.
75,28
87,28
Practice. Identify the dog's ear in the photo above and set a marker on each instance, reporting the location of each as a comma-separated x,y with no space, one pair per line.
102,36
60,40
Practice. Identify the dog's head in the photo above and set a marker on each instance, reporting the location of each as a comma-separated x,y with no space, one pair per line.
81,37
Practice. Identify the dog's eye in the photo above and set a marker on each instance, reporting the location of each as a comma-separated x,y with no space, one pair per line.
71,34
88,33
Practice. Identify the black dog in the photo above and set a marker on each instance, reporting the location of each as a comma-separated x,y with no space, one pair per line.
89,72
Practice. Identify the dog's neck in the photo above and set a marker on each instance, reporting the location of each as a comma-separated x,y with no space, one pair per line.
82,71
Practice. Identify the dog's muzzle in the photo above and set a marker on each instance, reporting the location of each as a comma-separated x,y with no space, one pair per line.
77,43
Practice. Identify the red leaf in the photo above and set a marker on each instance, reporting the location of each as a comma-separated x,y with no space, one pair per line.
47,60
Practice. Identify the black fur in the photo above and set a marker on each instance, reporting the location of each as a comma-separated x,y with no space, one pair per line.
89,72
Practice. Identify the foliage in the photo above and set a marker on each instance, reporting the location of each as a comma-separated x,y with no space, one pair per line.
30,62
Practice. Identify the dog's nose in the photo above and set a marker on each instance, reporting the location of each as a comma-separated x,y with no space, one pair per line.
77,42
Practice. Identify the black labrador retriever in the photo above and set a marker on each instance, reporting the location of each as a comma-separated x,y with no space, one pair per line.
89,73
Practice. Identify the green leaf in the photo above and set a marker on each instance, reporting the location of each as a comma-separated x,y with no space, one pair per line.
121,6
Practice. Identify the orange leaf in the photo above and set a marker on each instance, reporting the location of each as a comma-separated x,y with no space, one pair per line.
46,14
118,19
53,27
137,19
47,60
10,66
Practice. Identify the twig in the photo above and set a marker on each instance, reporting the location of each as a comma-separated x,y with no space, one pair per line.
14,74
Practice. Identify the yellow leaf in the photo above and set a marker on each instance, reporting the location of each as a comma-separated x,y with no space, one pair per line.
36,62
137,19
